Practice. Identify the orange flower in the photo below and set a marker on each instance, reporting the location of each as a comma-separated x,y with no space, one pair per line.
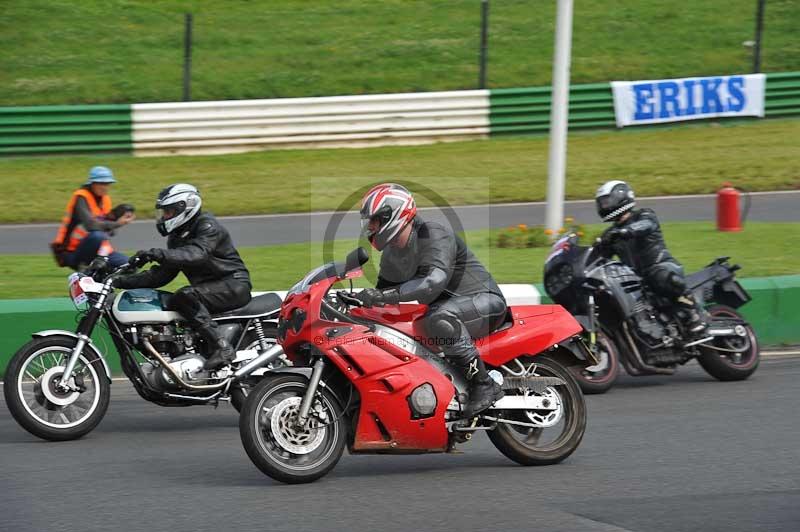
548,232
523,227
580,233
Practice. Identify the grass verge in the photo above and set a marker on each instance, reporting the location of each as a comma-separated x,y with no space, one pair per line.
62,51
762,249
688,159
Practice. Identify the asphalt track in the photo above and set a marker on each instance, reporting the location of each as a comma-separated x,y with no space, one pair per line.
316,227
665,454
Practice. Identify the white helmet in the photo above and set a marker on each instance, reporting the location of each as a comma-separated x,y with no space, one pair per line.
176,205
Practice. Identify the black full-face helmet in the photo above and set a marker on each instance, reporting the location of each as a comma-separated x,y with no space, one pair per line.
613,199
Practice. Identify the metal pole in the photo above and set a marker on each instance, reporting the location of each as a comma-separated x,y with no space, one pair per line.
187,58
484,43
759,29
559,113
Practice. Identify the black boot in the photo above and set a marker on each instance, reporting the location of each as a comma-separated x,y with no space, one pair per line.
223,354
693,320
483,390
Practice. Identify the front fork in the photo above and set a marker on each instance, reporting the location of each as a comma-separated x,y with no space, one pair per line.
308,398
84,333
592,325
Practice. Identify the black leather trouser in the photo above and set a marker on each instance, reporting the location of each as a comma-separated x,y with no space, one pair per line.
452,323
198,302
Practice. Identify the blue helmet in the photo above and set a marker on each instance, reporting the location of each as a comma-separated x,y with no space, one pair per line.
100,174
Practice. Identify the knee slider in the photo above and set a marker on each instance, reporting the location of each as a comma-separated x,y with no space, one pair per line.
443,325
677,283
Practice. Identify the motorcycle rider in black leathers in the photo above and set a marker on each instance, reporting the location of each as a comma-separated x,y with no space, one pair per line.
200,247
429,263
637,240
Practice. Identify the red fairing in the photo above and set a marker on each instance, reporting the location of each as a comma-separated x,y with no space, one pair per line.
385,374
536,328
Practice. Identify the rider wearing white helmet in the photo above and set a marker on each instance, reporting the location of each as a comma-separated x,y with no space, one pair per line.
200,247
427,262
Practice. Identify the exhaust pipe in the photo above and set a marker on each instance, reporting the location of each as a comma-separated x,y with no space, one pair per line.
270,355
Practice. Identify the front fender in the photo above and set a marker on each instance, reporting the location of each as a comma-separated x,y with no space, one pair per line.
89,344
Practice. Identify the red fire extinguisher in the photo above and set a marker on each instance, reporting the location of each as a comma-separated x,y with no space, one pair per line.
728,214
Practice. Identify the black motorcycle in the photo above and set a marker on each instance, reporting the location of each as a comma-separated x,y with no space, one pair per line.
57,386
627,324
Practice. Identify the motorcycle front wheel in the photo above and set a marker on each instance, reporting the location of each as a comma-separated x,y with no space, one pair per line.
600,377
548,436
277,445
39,406
730,358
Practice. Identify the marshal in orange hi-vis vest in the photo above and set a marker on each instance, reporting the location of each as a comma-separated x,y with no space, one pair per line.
70,233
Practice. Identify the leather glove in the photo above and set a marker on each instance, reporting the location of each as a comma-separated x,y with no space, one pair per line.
614,234
151,255
372,297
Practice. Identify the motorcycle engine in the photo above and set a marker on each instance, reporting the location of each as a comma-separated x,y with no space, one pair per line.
649,327
178,350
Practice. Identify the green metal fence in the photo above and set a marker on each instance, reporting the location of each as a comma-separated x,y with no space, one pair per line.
527,110
65,128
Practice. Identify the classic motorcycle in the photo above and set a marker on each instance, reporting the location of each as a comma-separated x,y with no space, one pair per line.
370,379
627,323
57,386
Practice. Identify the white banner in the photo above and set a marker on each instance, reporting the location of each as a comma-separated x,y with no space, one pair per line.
673,100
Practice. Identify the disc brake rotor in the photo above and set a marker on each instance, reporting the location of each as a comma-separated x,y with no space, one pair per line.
294,439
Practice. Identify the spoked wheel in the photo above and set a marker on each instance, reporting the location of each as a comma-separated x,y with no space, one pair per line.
39,405
277,445
600,377
547,436
731,358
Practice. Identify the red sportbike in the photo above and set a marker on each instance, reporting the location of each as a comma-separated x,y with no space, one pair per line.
371,380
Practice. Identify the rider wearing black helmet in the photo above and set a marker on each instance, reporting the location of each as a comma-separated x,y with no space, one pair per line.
429,263
637,240
200,247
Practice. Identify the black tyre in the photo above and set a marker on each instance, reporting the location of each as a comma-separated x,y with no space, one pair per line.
560,430
276,445
735,358
39,406
600,377
250,341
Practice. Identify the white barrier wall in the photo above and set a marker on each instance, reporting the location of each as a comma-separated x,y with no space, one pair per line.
338,121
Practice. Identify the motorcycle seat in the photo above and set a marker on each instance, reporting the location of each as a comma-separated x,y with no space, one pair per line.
259,306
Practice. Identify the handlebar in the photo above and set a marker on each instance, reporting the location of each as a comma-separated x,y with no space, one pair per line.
348,299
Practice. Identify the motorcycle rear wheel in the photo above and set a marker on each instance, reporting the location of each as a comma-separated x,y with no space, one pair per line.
276,445
522,444
35,402
730,367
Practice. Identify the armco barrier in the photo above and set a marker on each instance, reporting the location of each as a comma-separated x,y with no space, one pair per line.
337,121
65,128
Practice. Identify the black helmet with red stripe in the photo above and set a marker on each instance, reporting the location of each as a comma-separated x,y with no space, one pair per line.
385,211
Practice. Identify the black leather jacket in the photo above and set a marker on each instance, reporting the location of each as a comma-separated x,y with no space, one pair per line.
202,249
645,248
435,264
